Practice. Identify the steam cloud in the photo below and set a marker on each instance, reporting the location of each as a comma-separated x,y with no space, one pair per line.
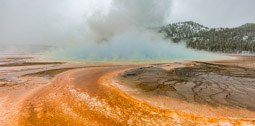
127,33
92,30
131,46
125,15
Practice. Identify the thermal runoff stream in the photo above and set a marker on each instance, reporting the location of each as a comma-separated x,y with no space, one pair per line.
121,62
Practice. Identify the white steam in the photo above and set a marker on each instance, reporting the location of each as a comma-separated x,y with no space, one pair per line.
125,15
131,46
126,34
92,30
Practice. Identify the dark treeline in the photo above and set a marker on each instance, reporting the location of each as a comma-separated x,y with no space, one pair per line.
228,40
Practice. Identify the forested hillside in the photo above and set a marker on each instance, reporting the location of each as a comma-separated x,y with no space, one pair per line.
228,40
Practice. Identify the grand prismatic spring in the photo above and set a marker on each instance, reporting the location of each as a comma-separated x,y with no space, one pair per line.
127,62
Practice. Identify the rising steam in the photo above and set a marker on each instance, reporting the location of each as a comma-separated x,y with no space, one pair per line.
126,33
131,46
92,30
125,15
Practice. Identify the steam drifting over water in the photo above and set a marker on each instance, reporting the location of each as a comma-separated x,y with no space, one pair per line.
91,30
131,46
125,33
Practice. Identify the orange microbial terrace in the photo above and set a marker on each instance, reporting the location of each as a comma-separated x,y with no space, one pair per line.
88,97
127,63
56,93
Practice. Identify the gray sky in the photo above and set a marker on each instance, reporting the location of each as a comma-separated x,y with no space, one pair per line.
64,21
214,13
47,22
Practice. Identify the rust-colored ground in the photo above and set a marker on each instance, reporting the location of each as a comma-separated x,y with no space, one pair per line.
207,89
88,96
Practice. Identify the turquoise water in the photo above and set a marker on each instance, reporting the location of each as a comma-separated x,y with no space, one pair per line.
131,47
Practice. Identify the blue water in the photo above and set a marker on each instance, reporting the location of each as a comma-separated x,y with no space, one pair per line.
131,47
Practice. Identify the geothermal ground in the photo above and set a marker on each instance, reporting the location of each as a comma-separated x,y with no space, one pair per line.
38,92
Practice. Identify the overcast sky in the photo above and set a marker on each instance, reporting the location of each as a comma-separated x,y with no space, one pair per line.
214,13
57,21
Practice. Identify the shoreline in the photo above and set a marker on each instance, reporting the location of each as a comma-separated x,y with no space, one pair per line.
43,103
100,96
156,97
